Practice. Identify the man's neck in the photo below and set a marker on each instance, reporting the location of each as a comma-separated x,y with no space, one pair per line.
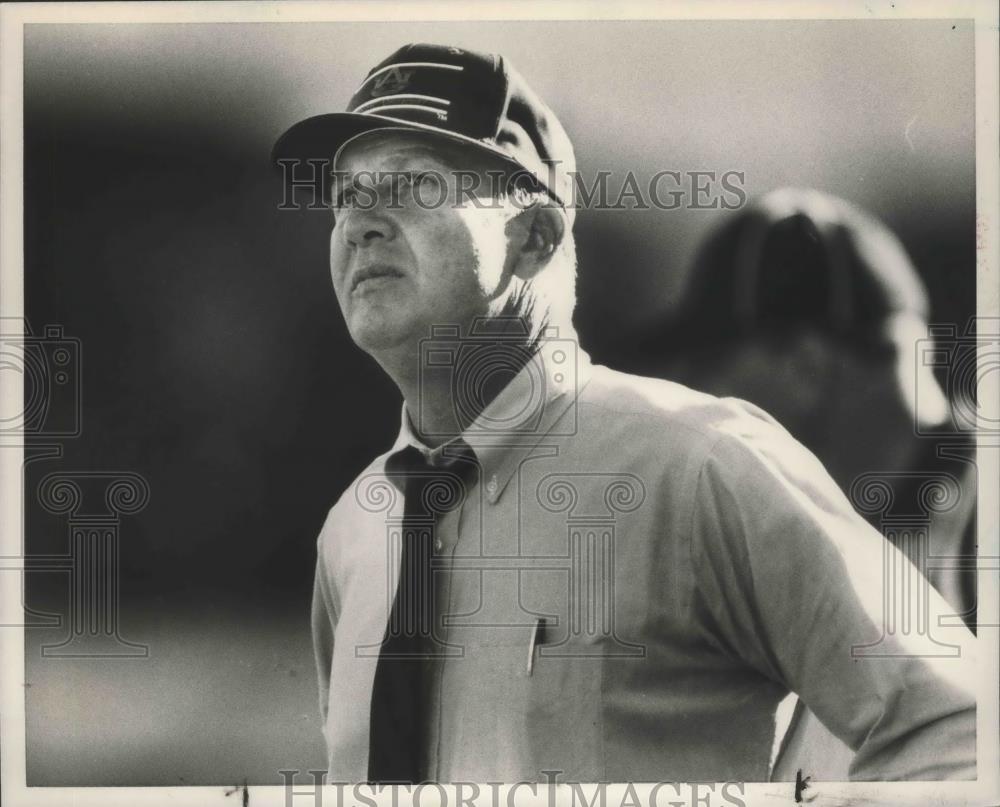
437,414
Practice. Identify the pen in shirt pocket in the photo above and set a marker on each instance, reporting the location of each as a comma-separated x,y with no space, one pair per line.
537,638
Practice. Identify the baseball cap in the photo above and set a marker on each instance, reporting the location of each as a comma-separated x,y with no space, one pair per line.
798,256
465,97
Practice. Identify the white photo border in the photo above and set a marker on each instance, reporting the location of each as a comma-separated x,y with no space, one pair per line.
13,17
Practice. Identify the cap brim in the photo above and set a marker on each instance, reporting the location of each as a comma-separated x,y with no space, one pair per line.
321,137
917,385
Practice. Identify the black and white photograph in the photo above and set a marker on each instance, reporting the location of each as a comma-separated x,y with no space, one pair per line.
453,404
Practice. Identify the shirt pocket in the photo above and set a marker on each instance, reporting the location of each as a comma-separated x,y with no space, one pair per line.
501,724
564,708
561,673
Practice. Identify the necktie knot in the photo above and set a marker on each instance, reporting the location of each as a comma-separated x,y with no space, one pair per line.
435,486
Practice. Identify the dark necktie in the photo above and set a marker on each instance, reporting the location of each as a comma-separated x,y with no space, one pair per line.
401,691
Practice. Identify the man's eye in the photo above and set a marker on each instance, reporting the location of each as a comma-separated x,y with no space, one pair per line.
406,181
346,197
426,184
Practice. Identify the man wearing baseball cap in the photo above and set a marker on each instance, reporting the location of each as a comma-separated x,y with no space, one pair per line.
803,283
559,567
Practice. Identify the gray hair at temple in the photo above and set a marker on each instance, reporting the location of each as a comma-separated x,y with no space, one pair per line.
546,301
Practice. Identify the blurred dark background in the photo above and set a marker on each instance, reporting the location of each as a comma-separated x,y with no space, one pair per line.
214,362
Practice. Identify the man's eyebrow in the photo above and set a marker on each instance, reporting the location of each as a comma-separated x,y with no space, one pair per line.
344,181
341,180
349,180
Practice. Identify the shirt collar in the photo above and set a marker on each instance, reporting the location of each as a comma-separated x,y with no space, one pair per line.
542,394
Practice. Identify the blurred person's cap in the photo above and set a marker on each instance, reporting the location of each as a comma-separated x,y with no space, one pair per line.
475,99
802,257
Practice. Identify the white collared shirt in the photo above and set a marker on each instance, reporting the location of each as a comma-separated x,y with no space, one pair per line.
639,577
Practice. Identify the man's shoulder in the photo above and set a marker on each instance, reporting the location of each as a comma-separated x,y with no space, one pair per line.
668,410
369,486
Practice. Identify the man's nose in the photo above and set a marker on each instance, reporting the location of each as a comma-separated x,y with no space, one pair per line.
364,227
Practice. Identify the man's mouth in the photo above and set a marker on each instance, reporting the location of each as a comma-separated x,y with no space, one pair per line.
371,273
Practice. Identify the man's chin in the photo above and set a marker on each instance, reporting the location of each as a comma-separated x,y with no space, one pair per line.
374,336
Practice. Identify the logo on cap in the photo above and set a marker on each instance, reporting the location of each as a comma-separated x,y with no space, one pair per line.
392,81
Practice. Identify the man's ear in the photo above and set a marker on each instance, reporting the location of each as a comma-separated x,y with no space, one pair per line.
810,359
540,230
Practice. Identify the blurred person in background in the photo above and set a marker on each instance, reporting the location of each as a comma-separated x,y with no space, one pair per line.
810,308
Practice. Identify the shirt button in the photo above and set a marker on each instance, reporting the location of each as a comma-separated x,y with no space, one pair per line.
491,486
